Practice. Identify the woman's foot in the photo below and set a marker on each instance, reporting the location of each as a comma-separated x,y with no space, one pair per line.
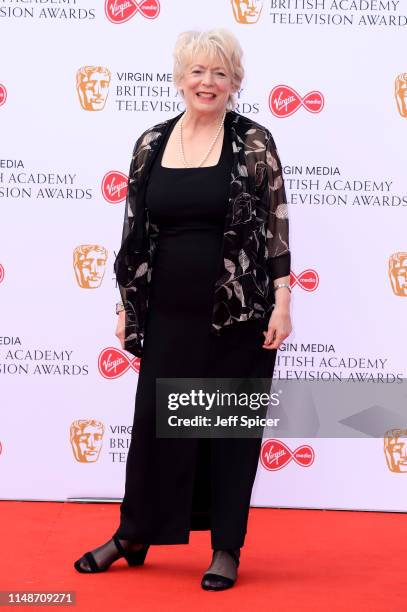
222,572
101,558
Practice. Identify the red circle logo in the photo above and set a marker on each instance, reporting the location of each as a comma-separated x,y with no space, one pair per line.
275,455
114,186
307,280
3,94
1,273
113,363
285,101
119,11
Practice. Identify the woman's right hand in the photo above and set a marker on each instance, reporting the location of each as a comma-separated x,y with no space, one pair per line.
120,327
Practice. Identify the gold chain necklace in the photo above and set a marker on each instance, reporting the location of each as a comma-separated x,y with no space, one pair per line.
181,142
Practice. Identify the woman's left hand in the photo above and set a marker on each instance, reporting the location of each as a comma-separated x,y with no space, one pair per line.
279,327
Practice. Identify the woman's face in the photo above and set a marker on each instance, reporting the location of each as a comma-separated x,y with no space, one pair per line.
206,85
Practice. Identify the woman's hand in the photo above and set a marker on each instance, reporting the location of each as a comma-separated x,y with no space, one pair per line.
120,327
279,327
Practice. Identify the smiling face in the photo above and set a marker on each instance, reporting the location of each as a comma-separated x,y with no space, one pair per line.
206,85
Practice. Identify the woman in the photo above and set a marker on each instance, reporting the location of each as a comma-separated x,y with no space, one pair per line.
203,272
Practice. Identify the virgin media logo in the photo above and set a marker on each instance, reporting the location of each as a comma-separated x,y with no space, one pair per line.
1,273
119,11
307,280
285,101
114,186
3,94
275,455
113,363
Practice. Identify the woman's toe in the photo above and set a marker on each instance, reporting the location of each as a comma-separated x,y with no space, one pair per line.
82,564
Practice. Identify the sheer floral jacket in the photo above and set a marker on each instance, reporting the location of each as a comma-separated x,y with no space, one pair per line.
255,241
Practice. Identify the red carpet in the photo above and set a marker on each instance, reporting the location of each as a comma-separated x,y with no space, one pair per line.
292,560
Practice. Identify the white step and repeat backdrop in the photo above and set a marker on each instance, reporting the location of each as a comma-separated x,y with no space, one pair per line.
79,81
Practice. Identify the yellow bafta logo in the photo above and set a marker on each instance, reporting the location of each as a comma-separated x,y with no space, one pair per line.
395,450
398,273
86,439
89,262
401,93
247,11
92,84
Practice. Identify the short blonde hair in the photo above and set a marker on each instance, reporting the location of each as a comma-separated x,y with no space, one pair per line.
212,43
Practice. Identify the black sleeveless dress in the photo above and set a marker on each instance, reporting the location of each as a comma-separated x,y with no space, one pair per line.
175,485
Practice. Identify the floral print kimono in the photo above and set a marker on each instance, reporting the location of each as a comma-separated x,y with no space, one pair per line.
255,239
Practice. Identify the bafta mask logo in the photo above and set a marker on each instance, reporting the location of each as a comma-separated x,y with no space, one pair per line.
395,450
1,273
275,455
119,11
247,11
89,262
113,363
307,280
92,84
398,273
401,93
114,186
86,439
3,94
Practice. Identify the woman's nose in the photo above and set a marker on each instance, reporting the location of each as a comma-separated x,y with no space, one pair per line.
207,78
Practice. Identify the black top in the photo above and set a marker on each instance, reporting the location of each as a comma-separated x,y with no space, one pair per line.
189,195
189,207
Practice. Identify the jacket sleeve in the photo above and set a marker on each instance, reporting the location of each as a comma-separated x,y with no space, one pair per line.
279,257
128,222
124,262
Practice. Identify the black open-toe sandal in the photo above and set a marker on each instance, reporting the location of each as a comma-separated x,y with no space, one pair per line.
94,568
217,582
133,558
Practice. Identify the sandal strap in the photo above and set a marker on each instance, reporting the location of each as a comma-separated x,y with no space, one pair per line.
119,546
131,556
92,563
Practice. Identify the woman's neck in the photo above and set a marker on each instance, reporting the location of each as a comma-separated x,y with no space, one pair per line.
194,121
